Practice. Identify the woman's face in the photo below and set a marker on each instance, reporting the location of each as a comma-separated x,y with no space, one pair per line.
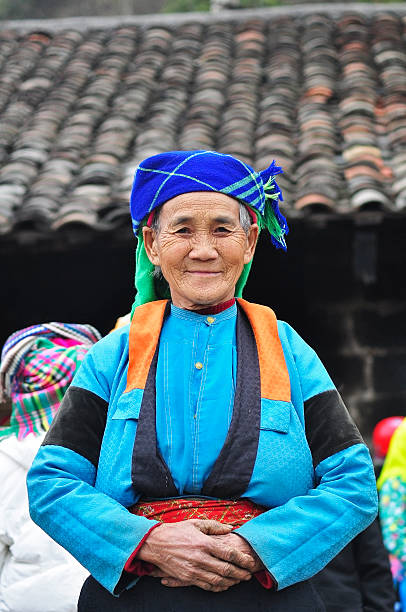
200,247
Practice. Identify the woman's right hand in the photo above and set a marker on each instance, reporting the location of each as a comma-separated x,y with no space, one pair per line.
185,552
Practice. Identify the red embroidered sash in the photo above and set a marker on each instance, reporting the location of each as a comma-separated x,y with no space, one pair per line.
234,513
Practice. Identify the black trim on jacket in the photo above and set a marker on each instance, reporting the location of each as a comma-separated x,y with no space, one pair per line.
329,426
79,424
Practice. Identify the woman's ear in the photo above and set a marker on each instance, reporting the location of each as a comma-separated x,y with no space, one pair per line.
252,239
150,244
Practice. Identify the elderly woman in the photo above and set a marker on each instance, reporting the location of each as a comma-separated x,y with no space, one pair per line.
202,458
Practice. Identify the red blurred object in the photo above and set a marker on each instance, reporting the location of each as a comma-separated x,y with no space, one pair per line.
382,434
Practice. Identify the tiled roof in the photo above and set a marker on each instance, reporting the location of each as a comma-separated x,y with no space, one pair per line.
324,95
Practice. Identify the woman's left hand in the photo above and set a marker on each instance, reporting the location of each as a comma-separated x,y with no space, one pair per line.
242,545
230,539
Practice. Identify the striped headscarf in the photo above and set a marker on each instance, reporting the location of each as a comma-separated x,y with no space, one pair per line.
167,175
37,366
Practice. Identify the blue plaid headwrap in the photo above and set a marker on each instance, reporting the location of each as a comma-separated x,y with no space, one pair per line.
166,175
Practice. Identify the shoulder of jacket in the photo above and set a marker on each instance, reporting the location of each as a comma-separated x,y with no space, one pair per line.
117,338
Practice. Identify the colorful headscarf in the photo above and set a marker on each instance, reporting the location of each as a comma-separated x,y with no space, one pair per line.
162,177
37,366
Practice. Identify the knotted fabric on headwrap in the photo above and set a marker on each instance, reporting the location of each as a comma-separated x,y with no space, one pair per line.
162,177
37,366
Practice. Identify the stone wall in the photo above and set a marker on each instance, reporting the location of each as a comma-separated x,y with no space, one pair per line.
363,344
353,301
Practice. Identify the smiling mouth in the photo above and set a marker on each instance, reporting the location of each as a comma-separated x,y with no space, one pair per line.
202,272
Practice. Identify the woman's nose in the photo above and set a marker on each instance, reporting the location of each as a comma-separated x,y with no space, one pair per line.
203,248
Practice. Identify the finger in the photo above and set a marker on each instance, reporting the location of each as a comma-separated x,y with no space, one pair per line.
202,585
199,575
214,588
208,561
158,573
208,584
216,578
210,527
215,559
228,570
232,555
173,582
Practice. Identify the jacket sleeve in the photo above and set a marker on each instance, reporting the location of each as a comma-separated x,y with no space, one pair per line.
297,539
95,528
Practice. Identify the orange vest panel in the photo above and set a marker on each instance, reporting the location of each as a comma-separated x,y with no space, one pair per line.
146,328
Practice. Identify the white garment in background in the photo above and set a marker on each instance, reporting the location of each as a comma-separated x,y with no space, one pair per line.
36,574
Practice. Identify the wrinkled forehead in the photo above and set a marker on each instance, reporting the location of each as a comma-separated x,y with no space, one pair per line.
201,204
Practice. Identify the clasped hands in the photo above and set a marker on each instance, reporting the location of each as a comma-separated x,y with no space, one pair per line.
197,552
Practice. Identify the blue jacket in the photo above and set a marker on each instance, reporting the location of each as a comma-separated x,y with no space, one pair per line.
310,466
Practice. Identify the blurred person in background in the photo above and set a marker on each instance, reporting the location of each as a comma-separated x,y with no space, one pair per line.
37,366
381,437
392,504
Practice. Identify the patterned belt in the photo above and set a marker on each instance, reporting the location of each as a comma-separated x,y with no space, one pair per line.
234,513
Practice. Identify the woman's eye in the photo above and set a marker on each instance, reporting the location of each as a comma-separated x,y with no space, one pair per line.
183,230
221,230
